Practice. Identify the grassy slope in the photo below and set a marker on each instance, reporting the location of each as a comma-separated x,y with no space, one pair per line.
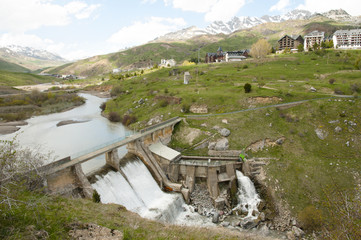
11,67
307,165
54,215
17,79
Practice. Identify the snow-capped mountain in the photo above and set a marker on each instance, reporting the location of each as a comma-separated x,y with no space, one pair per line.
183,34
239,23
29,57
19,51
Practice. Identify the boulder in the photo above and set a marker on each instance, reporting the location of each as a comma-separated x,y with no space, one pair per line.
224,132
338,129
215,218
219,203
225,121
225,224
222,145
212,145
251,224
321,134
312,89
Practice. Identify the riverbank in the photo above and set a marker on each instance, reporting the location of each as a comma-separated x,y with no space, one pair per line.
11,127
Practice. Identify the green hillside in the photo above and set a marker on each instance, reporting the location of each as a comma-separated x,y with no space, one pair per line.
17,79
306,169
12,67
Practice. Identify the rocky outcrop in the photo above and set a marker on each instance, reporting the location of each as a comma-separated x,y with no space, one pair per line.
221,145
264,143
88,231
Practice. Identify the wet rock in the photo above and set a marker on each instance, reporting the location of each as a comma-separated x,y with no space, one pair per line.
222,145
261,205
224,132
215,218
262,216
251,224
225,224
338,129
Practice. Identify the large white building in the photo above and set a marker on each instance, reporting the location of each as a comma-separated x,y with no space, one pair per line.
312,38
167,62
347,39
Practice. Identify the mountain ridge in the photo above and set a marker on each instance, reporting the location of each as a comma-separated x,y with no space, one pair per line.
246,22
30,58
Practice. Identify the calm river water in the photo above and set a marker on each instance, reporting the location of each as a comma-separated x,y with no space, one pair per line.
72,139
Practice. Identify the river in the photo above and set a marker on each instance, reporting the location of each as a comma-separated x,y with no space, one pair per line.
43,135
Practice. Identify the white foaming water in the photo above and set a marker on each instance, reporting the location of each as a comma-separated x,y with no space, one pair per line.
248,198
139,192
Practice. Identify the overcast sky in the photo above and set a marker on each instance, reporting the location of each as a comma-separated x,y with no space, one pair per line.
81,28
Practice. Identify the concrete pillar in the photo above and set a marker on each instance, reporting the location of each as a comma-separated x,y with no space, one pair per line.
212,182
173,172
186,195
112,159
83,182
190,178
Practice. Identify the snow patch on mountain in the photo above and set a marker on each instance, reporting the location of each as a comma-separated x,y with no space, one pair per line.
20,51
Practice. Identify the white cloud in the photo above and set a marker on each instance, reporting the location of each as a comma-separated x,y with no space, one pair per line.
148,1
280,5
142,32
350,6
24,15
214,9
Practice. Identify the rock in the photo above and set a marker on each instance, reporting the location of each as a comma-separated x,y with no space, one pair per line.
321,134
262,216
348,143
216,128
312,89
203,145
219,203
264,230
280,141
334,121
297,232
222,145
250,224
290,235
215,218
225,121
212,145
203,125
261,205
224,132
294,222
141,101
338,129
225,224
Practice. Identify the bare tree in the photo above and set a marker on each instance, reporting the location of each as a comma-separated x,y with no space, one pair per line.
18,168
260,49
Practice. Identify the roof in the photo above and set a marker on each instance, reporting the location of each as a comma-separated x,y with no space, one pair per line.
219,49
348,32
294,37
164,151
315,34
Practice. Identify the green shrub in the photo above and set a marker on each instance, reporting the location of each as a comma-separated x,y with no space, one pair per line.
331,81
164,103
311,218
96,197
245,66
185,108
247,88
128,119
114,117
116,91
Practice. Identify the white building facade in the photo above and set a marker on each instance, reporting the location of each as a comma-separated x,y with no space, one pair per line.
312,38
347,39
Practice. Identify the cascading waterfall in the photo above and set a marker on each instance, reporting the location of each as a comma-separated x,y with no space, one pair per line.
248,198
138,192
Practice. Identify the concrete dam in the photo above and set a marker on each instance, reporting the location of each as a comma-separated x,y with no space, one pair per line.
153,180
